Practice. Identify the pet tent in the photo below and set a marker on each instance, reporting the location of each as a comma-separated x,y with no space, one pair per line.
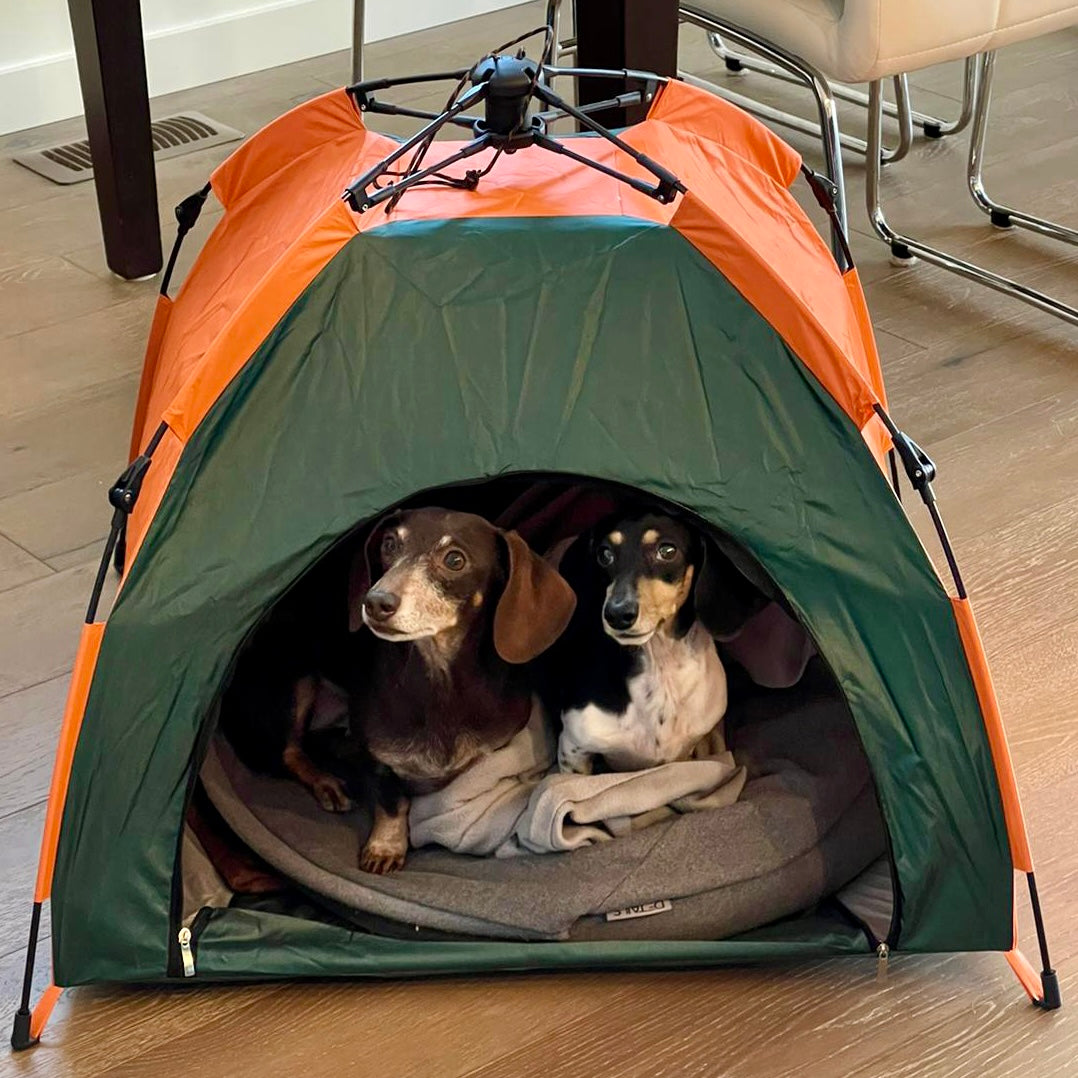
695,341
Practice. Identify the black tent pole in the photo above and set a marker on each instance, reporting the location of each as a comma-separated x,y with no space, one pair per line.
20,1032
921,471
1051,999
123,495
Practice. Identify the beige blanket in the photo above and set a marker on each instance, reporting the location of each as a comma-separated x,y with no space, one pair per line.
511,802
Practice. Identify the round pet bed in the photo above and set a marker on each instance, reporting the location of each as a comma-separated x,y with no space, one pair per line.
807,822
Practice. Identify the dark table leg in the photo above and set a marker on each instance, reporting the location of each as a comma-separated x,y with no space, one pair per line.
624,33
112,72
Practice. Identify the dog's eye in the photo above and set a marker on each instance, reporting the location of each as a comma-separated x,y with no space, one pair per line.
605,556
454,560
666,552
390,545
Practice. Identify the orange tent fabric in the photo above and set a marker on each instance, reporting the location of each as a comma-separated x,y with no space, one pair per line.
284,221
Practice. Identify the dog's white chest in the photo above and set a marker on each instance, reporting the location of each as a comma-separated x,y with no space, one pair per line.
676,699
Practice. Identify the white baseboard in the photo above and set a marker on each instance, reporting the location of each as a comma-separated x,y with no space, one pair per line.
46,88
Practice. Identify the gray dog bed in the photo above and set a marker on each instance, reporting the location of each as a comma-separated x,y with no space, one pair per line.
806,824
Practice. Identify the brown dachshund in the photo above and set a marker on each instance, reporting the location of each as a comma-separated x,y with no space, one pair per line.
459,608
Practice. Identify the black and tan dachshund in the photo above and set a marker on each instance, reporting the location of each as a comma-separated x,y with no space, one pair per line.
637,678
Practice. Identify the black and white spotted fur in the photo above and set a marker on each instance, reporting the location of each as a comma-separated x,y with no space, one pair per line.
647,689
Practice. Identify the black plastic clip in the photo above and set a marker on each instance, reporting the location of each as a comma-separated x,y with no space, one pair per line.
668,187
188,211
826,191
125,491
919,466
122,497
823,187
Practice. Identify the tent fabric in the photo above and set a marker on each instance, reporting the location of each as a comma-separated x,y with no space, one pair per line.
546,363
284,221
318,367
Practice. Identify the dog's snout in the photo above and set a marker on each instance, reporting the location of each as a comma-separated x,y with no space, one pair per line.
621,612
381,605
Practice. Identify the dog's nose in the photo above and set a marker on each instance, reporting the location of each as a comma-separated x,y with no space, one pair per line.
381,605
621,613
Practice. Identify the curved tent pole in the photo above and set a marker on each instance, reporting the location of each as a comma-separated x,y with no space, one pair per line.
187,214
27,1026
1043,989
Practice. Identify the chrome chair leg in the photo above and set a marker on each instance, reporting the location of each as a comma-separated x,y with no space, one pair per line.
942,128
1001,216
792,122
562,46
931,126
784,71
904,115
828,131
357,39
906,249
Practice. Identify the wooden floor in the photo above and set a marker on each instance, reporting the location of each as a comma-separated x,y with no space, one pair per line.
988,386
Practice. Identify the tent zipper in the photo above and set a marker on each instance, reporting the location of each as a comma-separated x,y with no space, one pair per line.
883,952
175,955
187,937
186,955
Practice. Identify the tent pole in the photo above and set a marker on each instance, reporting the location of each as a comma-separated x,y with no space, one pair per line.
187,214
20,1033
921,472
1049,978
122,497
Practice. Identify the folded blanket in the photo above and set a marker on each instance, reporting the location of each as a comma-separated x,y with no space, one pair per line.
511,802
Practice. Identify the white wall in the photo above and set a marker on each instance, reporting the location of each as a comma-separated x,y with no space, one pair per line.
191,42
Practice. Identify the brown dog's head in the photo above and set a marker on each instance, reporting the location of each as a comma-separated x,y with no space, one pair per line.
661,576
433,573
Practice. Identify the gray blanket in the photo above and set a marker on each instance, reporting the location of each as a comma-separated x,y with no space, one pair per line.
511,803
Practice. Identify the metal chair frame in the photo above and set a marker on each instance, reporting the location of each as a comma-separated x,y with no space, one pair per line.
1001,216
905,249
930,126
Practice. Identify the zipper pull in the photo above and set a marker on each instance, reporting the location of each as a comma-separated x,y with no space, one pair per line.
883,952
185,952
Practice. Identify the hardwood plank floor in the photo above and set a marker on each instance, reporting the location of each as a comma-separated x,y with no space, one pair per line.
987,386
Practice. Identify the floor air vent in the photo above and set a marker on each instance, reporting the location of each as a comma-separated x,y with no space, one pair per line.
69,162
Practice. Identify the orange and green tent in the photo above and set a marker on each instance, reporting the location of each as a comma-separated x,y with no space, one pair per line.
319,365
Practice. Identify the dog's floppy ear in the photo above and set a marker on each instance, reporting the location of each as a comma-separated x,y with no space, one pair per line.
361,574
535,606
722,597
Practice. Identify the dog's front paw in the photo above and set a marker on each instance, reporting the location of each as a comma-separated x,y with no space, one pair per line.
329,791
382,858
573,761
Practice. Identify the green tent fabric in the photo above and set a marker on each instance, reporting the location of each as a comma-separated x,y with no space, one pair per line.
440,352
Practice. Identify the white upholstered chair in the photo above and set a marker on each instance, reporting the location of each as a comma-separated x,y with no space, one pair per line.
821,42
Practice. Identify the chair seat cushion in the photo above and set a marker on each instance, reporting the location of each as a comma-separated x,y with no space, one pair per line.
862,40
